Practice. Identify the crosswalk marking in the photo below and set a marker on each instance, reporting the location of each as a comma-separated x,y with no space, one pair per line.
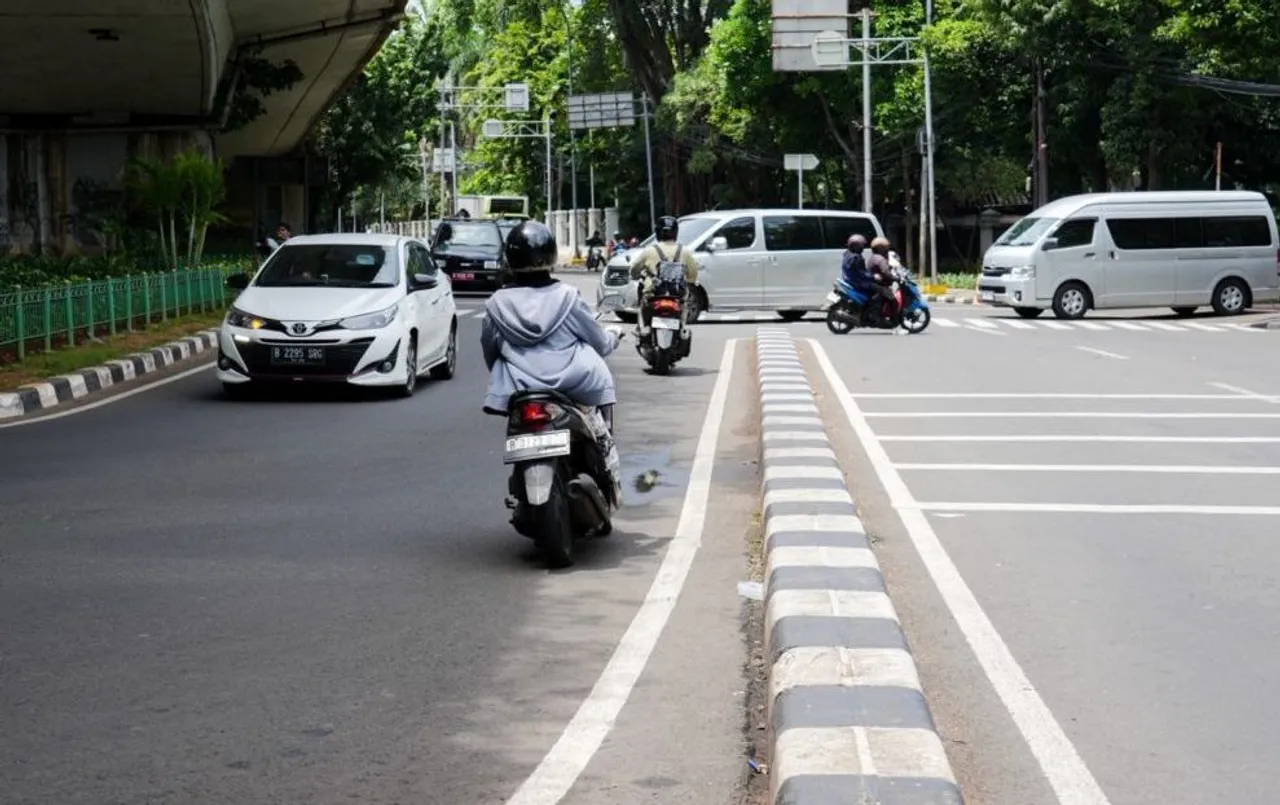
992,324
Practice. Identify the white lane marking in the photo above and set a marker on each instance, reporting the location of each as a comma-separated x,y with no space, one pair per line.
1166,326
115,399
981,323
1051,438
945,323
1055,325
1195,325
1063,767
1099,508
1064,415
983,330
1245,393
1166,469
1091,325
566,761
1126,325
1103,353
1050,396
1017,325
1246,328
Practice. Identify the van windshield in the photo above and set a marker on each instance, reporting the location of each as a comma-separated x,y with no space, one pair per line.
1027,231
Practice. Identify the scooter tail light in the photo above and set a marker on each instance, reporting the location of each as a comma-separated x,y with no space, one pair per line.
536,415
666,305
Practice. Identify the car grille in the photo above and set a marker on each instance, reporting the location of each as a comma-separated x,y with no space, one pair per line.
340,360
617,276
995,271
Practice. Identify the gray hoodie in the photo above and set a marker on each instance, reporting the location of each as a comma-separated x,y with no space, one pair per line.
545,338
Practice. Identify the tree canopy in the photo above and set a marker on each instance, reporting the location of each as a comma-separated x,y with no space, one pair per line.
1139,94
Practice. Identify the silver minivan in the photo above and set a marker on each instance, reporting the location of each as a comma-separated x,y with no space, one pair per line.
783,260
1177,249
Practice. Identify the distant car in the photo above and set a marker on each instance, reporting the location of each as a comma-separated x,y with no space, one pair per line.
471,252
361,309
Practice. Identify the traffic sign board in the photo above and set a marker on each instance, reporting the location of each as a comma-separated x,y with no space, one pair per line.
800,162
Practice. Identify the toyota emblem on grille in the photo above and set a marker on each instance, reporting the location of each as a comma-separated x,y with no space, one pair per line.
299,328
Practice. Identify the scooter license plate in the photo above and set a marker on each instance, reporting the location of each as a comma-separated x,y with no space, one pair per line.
666,324
832,298
531,446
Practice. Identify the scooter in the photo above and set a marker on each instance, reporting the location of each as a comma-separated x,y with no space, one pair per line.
667,340
849,308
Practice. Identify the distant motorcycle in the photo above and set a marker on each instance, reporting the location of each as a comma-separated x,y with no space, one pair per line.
595,258
849,308
668,341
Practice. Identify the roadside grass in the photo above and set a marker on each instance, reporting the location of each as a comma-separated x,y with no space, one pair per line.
39,366
959,282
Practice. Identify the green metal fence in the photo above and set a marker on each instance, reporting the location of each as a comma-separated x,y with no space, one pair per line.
64,315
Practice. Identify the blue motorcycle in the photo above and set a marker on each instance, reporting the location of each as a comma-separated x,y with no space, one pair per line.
848,307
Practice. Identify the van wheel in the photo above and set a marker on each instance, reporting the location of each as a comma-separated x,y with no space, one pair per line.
1028,312
1184,312
1071,301
1231,297
697,305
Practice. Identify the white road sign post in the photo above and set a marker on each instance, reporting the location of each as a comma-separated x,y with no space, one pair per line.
800,163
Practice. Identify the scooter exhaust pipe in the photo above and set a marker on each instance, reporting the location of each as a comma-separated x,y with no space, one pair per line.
588,502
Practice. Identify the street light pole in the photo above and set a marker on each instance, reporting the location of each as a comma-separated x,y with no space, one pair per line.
573,139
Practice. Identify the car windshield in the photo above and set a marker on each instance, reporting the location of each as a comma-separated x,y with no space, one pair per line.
467,235
338,265
1026,232
690,230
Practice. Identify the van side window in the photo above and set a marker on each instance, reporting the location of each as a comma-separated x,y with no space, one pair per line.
1075,232
1142,233
792,233
837,229
1187,233
1220,233
740,233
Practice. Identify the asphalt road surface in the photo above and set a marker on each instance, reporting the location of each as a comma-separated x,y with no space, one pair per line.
316,597
1079,529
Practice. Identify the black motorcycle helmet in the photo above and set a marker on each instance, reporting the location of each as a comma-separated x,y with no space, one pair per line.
668,228
531,247
856,243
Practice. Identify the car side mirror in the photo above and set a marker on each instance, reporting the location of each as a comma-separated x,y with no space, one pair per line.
1049,244
424,282
718,244
238,282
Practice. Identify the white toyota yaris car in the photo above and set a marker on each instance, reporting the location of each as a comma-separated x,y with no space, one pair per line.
361,309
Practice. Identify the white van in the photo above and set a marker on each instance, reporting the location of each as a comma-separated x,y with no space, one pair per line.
783,260
1181,250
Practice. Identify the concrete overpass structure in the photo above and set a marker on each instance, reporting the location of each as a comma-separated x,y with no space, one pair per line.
86,83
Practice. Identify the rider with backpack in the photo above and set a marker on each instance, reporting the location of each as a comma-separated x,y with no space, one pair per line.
664,249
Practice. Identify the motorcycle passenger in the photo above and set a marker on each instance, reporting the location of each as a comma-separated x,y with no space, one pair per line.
880,271
618,244
664,249
539,333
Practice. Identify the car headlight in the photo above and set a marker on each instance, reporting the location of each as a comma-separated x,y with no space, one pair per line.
492,264
371,321
1024,271
238,318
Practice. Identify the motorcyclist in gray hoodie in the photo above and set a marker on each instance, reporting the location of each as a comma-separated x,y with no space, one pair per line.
539,333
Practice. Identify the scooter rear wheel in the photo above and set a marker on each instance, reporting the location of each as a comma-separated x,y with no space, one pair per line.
554,527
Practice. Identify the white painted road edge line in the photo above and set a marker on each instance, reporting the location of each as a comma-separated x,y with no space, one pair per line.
108,401
1174,469
568,758
1062,765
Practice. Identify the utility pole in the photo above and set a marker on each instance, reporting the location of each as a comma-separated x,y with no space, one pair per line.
866,15
1042,146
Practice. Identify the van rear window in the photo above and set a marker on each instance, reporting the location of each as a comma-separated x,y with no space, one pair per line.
1203,232
837,229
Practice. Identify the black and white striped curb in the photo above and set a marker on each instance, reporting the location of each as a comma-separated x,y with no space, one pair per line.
76,386
849,721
